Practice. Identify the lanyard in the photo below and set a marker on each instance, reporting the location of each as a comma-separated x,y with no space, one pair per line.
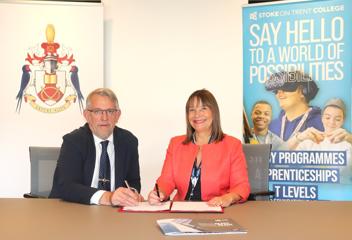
266,138
195,175
299,125
196,170
211,139
194,178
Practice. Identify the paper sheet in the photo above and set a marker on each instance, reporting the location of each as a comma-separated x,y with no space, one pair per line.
188,206
146,207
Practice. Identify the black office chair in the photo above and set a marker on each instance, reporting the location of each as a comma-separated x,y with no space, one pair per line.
43,162
257,157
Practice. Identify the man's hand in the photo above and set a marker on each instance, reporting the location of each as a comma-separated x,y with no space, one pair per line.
125,197
106,199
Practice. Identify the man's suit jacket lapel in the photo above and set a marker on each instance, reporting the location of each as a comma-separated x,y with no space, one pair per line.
119,156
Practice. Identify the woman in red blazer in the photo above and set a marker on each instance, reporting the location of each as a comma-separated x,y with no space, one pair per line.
205,164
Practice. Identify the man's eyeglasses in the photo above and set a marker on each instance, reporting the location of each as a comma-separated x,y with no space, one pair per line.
99,112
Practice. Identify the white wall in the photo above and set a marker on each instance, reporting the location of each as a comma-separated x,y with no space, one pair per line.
157,52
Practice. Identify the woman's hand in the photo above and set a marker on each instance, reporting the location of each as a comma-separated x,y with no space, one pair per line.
153,198
224,200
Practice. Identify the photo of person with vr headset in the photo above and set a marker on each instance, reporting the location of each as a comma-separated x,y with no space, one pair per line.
293,91
298,120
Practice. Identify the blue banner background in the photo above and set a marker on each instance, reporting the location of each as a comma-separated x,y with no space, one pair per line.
323,41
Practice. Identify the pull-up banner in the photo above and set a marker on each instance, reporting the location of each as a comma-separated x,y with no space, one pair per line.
51,58
297,95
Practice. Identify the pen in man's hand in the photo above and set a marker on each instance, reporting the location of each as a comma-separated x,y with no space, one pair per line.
128,186
157,190
140,198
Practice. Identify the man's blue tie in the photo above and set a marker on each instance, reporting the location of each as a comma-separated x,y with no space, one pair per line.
104,170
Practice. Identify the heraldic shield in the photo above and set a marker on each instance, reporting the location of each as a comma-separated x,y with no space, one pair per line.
49,81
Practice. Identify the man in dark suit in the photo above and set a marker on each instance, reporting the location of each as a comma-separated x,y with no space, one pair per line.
79,175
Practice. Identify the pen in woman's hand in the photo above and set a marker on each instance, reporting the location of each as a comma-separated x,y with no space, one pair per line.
157,190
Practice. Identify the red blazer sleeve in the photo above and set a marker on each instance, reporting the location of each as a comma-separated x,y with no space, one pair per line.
177,168
224,169
166,180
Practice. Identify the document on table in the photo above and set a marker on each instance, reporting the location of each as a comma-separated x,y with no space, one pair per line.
190,206
146,207
189,226
175,206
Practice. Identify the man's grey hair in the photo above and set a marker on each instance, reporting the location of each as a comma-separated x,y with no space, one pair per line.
106,92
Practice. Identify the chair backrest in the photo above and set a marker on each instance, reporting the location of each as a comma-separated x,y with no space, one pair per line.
43,163
257,157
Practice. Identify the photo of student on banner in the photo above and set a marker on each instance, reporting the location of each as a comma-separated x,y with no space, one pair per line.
261,117
333,138
294,90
